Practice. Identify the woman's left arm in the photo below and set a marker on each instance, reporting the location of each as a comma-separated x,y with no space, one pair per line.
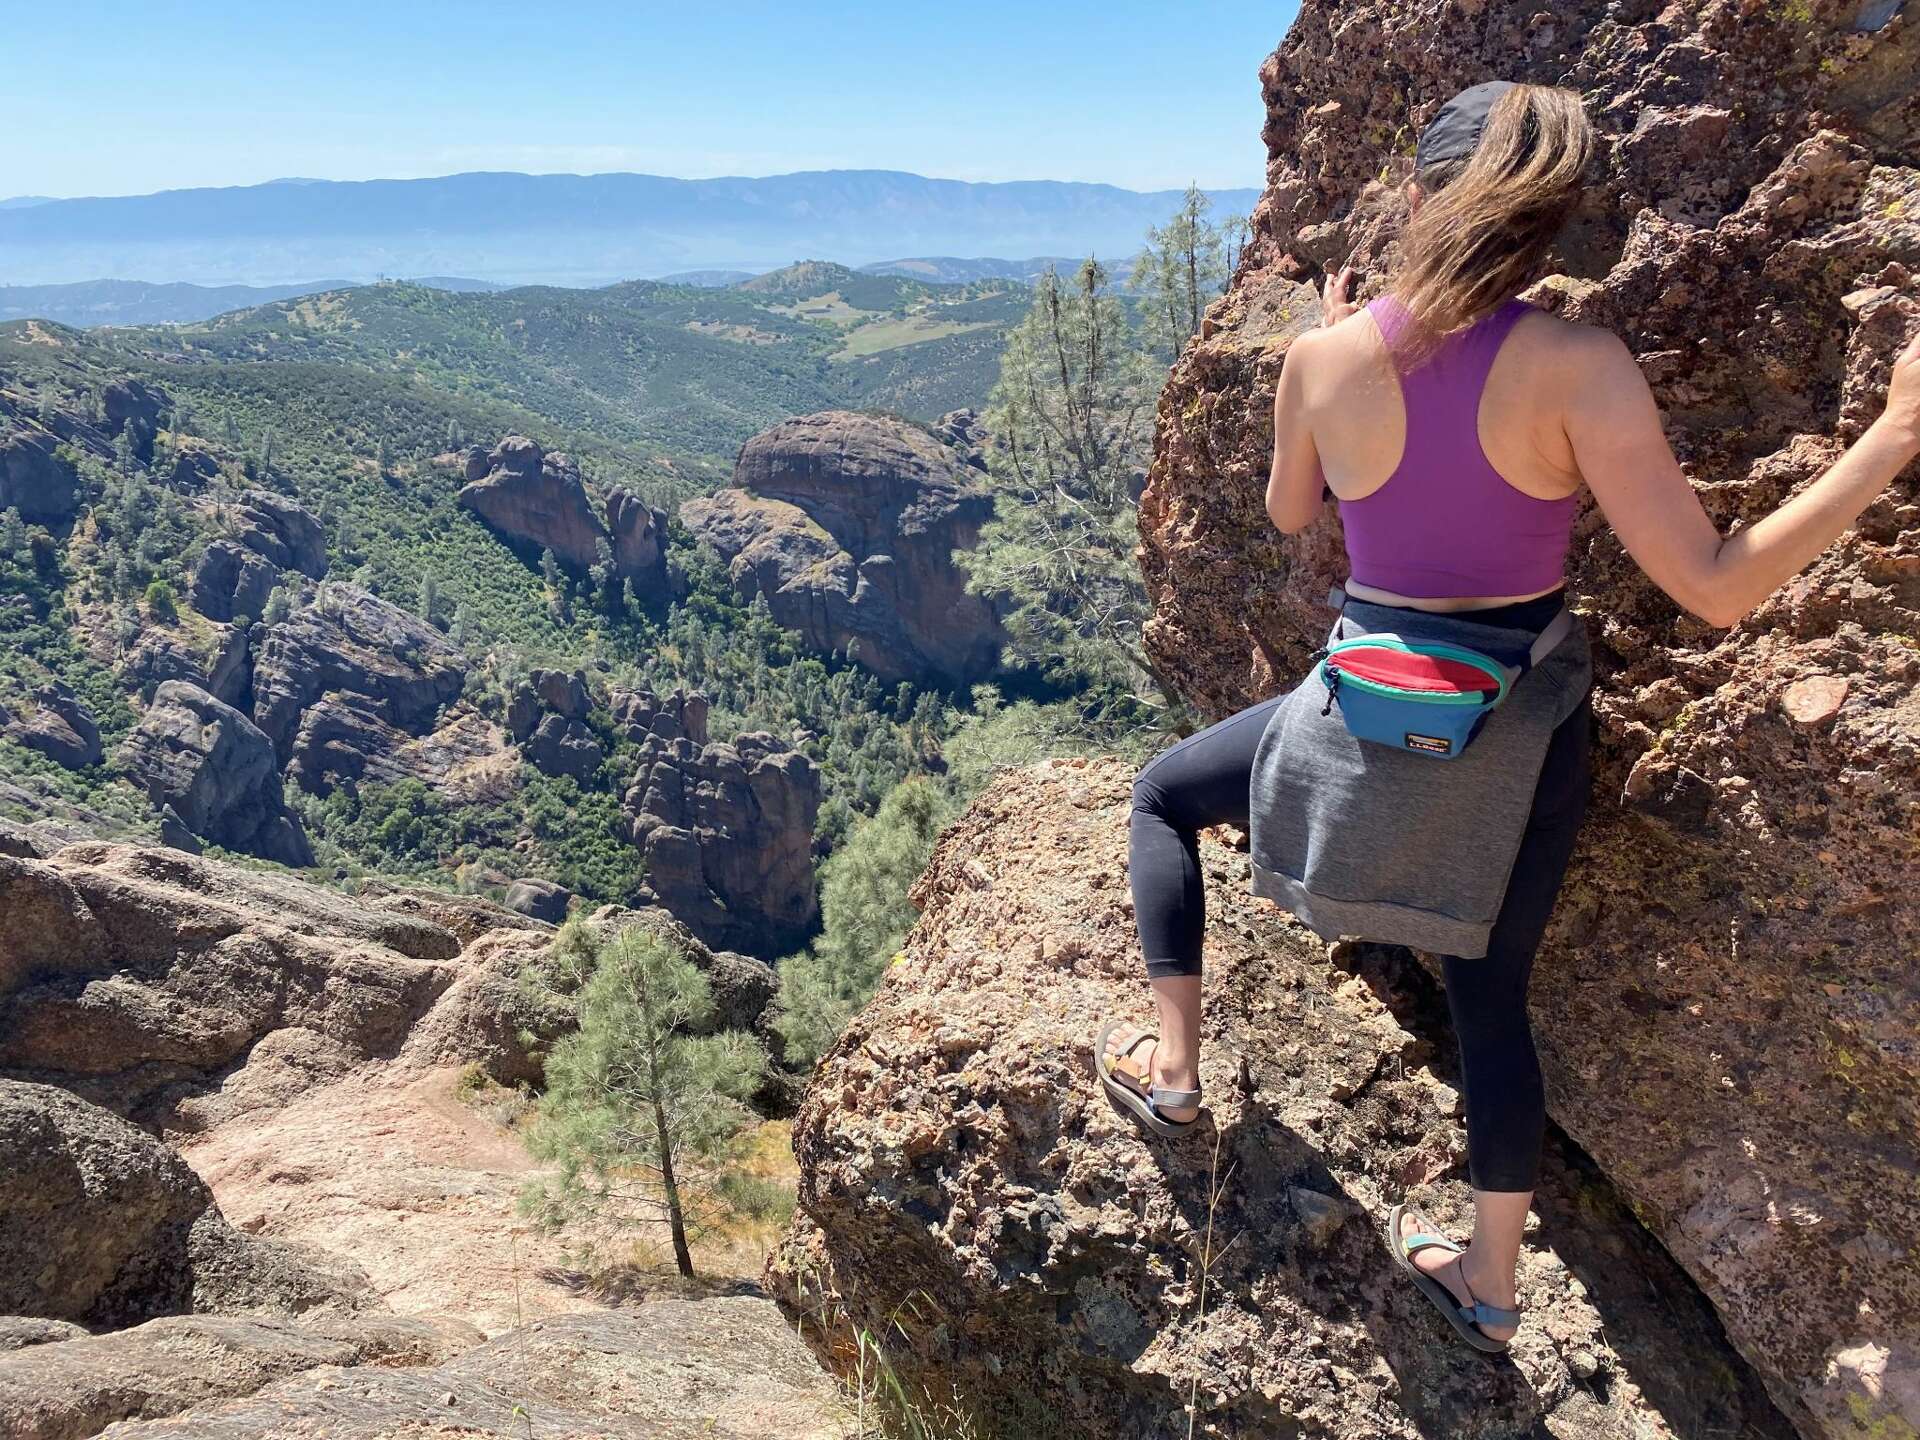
1296,490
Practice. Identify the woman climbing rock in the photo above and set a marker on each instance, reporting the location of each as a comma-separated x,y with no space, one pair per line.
1424,783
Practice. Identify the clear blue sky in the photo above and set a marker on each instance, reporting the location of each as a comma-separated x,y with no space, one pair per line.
105,97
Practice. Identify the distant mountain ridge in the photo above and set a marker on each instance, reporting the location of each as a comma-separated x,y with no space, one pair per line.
141,302
568,229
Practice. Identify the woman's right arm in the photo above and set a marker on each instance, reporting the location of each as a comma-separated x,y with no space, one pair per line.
1623,455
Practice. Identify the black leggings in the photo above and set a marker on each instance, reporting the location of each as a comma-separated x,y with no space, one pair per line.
1203,781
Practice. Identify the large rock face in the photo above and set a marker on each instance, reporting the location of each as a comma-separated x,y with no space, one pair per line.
847,523
60,726
107,1226
170,988
1725,1004
720,1369
539,502
35,479
726,829
961,1173
217,770
388,674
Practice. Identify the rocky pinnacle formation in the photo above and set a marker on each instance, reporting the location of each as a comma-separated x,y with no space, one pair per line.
1726,1003
537,500
726,828
847,524
217,771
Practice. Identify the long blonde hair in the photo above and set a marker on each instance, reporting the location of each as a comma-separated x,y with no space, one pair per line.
1481,235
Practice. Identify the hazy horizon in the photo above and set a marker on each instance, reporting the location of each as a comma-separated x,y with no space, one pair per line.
1122,94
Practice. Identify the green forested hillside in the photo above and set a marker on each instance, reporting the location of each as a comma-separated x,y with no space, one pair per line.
677,375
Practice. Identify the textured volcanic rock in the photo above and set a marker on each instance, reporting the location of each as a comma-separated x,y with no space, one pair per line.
378,658
61,727
961,1173
216,769
34,479
140,405
75,1389
539,502
221,667
143,979
282,531
539,900
107,1226
17,1332
847,523
546,715
232,580
1726,1003
192,469
638,532
728,1368
727,834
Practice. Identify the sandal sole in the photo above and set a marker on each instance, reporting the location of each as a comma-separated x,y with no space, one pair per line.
1442,1298
1135,1103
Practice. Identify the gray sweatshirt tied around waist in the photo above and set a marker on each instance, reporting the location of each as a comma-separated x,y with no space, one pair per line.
1366,841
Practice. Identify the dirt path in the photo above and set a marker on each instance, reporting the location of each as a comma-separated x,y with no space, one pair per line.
392,1169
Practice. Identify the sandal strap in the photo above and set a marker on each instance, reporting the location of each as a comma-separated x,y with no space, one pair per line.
1482,1314
1160,1095
1425,1241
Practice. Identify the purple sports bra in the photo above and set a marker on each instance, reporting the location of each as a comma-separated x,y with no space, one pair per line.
1445,524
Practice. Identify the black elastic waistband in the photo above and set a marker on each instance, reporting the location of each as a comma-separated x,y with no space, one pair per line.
1533,614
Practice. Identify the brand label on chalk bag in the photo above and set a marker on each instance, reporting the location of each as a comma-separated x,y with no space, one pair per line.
1432,744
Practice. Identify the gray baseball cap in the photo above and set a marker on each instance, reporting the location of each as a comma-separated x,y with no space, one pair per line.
1452,134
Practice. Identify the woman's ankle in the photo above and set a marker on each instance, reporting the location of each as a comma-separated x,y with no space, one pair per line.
1488,1278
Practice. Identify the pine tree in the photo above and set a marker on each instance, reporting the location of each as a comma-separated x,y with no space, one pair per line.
266,450
429,597
1184,266
1070,421
233,433
383,458
641,1114
865,914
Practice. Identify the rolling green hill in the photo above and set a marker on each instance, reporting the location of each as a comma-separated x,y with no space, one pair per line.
679,373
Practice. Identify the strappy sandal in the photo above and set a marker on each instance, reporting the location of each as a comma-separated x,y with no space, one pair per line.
1127,1080
1467,1319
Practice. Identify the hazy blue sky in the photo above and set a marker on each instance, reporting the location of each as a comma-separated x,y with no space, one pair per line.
105,98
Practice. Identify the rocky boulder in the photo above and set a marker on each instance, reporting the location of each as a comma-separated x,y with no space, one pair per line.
377,660
219,663
546,715
1062,1274
727,1368
538,501
60,726
539,900
727,834
638,532
281,531
107,1226
127,402
847,524
75,1389
35,479
1724,1011
216,769
231,581
171,988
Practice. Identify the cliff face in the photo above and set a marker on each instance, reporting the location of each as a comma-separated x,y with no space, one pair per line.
1727,1001
847,523
970,1197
